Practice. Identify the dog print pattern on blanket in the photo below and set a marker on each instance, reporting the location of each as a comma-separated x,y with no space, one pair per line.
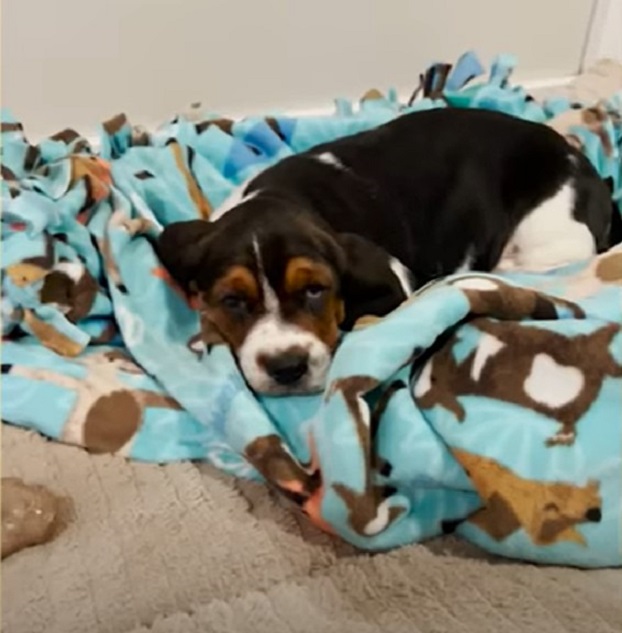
490,406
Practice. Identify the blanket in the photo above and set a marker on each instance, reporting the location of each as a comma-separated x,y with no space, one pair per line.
486,405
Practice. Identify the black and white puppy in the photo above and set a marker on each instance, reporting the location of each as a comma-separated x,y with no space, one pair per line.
352,227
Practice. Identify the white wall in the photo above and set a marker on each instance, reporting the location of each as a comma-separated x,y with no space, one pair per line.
605,39
76,62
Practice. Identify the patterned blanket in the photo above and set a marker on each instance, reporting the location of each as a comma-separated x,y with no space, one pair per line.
487,405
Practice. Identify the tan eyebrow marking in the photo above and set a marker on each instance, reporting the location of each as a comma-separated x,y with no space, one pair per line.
301,272
236,279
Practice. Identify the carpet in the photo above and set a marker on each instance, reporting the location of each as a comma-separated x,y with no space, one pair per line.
182,549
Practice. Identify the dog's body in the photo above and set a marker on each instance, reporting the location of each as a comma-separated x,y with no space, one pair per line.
443,190
351,227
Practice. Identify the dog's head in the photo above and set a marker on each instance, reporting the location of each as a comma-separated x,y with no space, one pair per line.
277,286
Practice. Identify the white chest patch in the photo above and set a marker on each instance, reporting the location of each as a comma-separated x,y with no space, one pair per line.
548,237
488,346
551,384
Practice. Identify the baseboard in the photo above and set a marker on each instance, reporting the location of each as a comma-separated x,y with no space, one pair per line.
534,87
546,84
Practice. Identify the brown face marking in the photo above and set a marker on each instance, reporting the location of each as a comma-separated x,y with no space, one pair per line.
237,281
302,273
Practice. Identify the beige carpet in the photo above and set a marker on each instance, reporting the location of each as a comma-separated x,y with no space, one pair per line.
183,549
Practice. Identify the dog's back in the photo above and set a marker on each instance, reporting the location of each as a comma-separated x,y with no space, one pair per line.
447,188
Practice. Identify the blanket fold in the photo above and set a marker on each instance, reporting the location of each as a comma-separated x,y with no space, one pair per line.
486,405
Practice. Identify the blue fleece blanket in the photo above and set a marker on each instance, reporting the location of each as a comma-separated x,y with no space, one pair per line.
487,405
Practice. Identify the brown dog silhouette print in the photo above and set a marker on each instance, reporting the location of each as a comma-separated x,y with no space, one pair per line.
538,369
107,413
548,511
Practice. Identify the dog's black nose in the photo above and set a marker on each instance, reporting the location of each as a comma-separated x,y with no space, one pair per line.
594,515
287,368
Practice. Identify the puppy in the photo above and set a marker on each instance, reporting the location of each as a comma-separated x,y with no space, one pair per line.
352,227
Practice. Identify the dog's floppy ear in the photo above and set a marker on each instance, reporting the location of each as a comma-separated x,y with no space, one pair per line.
181,246
369,284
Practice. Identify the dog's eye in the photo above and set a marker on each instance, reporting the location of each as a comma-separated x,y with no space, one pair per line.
314,292
313,297
234,303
